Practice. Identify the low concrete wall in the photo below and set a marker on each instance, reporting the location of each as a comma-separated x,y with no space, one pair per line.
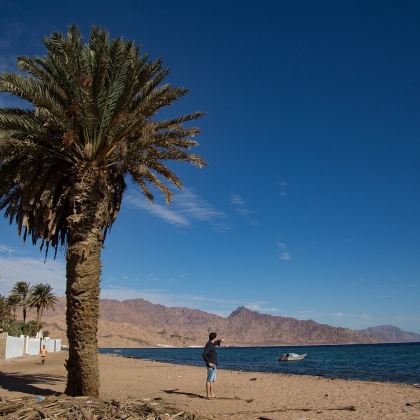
34,344
11,347
49,345
15,346
57,345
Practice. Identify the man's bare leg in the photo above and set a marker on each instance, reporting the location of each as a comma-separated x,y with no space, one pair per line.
208,389
212,390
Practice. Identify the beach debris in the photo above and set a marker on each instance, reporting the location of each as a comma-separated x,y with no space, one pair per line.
286,409
39,398
73,408
253,379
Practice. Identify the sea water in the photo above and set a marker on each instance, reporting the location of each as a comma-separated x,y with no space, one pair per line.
376,362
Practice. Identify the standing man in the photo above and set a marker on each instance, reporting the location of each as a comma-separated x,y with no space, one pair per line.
210,357
43,354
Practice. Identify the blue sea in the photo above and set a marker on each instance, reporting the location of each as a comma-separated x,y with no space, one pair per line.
376,362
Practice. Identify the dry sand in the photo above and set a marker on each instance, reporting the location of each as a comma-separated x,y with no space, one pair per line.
241,395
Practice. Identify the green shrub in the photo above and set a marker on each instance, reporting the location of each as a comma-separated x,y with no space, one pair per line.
17,328
12,328
30,329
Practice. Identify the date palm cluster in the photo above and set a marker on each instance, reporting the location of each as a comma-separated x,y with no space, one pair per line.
39,297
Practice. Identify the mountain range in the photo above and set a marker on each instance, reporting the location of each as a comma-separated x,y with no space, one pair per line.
138,323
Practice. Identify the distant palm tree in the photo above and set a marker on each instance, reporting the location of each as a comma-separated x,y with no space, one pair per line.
13,301
4,308
65,162
41,297
21,291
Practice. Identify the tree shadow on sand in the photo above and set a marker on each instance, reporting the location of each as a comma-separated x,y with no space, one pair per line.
193,395
18,382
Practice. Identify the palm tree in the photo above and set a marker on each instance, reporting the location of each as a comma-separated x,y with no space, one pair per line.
4,308
41,298
21,288
65,162
13,302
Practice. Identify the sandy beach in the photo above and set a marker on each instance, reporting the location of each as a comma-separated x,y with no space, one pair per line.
240,395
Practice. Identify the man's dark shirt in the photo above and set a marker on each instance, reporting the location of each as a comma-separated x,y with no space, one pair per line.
210,354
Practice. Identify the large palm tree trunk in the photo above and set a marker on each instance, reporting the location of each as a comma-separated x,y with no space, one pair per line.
83,272
83,275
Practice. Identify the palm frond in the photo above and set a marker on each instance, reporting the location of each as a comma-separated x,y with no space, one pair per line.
94,121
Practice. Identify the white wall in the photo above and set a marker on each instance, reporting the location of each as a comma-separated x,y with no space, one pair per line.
49,345
15,346
57,345
33,346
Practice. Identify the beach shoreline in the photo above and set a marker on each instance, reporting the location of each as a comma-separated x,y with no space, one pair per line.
146,359
264,345
241,395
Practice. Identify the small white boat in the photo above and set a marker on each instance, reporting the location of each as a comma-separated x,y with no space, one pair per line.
289,357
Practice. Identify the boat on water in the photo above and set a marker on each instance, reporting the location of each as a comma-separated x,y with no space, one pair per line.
289,357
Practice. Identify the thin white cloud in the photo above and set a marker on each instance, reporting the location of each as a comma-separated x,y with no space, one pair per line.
167,298
17,268
163,212
241,207
261,306
343,315
284,255
195,206
415,318
219,306
4,249
186,207
283,188
353,320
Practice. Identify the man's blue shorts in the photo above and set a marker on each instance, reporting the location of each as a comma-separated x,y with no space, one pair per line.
211,374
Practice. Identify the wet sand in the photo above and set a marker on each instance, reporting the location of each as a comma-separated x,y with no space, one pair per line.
240,395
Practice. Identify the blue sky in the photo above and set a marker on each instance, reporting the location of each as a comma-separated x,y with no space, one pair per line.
310,204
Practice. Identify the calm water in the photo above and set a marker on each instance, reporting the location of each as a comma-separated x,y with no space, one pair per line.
380,362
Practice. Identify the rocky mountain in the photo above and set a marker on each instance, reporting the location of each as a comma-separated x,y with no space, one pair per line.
137,322
391,334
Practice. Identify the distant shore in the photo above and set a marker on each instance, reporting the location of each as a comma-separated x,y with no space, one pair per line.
168,346
241,395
